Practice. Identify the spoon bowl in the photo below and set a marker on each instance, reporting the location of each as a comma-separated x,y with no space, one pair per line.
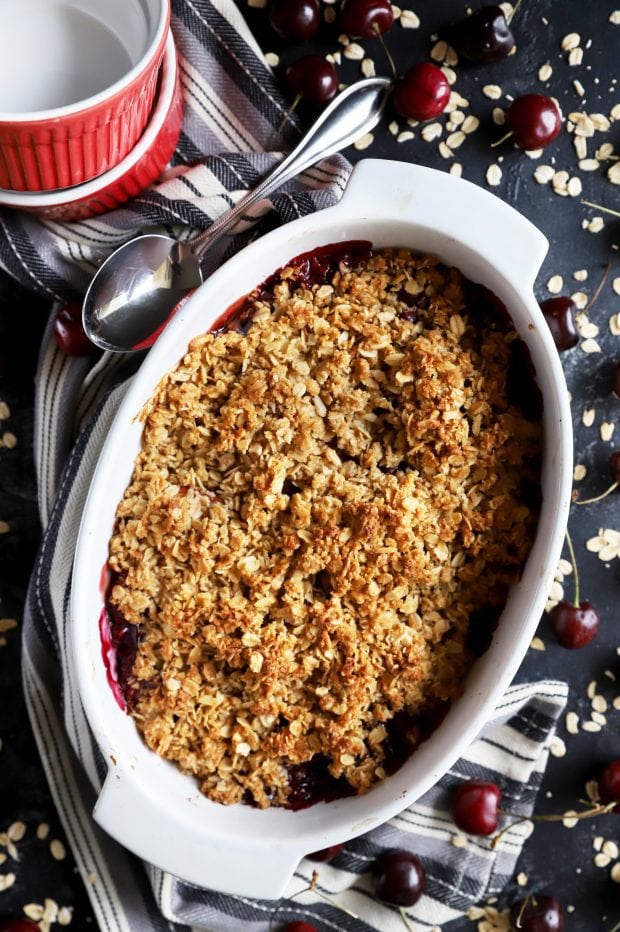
139,287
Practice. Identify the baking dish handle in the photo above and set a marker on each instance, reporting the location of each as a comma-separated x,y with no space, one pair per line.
445,206
175,841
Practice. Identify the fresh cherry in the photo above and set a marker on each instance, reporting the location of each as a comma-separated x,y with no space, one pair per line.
614,466
484,36
475,806
313,78
326,854
538,914
18,925
560,314
298,925
399,878
574,626
609,784
69,331
366,18
534,121
423,93
296,20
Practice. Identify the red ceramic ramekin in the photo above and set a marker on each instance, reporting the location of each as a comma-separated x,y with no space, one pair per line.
139,169
77,84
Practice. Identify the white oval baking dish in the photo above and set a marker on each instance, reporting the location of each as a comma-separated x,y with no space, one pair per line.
146,803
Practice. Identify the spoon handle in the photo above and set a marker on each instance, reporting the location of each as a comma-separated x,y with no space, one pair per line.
352,113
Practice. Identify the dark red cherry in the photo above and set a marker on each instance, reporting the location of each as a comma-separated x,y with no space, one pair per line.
574,625
534,121
18,925
298,925
69,331
399,878
614,465
366,18
540,914
484,36
609,784
560,314
313,78
326,854
475,806
296,20
423,93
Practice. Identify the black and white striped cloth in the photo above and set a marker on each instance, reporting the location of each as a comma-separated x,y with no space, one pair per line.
232,107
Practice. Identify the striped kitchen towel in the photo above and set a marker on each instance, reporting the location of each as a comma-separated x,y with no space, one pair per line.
233,108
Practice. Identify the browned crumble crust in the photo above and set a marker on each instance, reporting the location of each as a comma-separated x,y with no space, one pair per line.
318,508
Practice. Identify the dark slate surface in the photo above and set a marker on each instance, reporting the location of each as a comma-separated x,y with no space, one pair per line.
555,859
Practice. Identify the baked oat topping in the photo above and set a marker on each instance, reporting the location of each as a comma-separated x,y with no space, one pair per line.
323,523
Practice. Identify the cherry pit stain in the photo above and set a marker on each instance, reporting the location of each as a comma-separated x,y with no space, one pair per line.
312,782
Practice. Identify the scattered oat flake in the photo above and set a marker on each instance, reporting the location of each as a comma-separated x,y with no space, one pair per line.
590,346
572,723
7,624
615,17
364,141
272,59
587,418
459,841
543,174
570,41
445,151
616,285
368,68
533,153
557,747
606,544
16,831
409,20
8,440
615,873
610,848
575,56
456,169
537,644
431,131
579,88
555,284
354,52
614,324
607,430
65,915
5,411
405,136
575,187
57,849
499,116
34,911
6,881
43,831
601,860
522,879
454,140
570,820
492,91
613,173
579,472
544,72
494,175
438,51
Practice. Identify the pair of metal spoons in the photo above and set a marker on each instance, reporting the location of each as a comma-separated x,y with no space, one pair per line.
137,289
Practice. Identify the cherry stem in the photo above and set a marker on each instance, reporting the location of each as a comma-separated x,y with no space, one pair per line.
598,498
573,560
554,817
530,898
503,139
388,55
288,113
615,928
403,916
599,289
510,16
606,210
313,886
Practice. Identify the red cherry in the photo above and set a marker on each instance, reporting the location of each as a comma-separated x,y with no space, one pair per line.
18,925
313,78
299,925
366,17
423,93
540,914
609,784
69,331
614,466
560,315
484,36
475,807
534,121
574,625
326,854
296,20
399,878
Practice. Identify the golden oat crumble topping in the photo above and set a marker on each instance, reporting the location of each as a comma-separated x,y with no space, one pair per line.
319,507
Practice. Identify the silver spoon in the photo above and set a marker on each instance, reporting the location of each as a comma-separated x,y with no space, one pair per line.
136,290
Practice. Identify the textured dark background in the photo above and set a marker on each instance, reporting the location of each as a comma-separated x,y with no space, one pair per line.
555,859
